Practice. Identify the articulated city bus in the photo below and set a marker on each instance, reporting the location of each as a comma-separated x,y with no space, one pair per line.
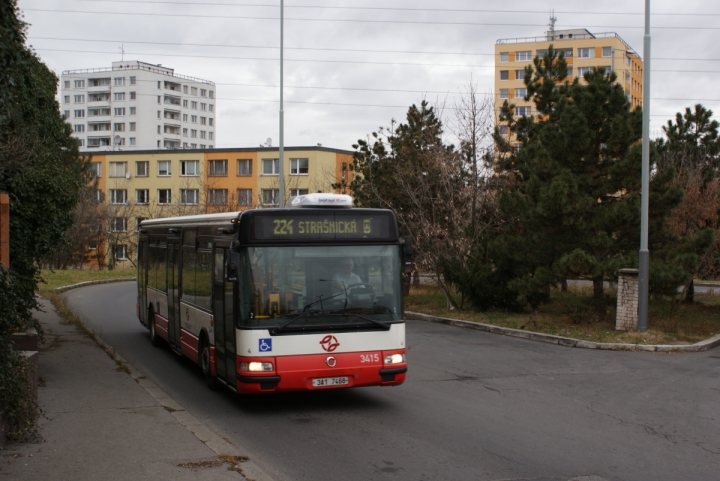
275,300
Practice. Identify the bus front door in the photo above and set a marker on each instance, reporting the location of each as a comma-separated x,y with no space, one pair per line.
224,296
173,295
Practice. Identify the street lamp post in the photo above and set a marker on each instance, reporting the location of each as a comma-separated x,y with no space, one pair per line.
644,254
281,148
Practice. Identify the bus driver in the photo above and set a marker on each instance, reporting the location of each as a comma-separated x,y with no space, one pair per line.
345,277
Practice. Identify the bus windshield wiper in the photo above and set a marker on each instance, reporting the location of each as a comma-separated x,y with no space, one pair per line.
382,324
305,312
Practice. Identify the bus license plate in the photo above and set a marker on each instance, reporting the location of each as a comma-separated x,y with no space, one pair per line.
330,381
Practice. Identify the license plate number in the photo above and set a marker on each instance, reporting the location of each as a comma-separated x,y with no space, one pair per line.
330,381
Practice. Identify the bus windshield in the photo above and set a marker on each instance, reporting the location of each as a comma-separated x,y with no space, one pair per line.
304,287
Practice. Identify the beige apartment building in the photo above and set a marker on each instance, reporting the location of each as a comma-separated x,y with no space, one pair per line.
582,50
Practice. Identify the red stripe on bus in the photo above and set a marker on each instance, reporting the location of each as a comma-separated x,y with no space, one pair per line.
189,345
161,326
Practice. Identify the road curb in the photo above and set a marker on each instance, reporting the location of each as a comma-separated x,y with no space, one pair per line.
221,447
62,289
566,341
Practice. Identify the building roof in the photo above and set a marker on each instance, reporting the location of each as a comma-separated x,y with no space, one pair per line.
199,151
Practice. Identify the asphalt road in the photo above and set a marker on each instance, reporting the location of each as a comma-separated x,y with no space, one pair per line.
475,406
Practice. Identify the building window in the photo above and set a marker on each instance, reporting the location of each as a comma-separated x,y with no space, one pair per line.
159,84
120,252
132,110
218,168
132,140
524,56
193,119
133,95
211,108
79,114
607,51
203,106
504,74
298,166
521,111
132,126
119,127
120,111
217,197
519,93
270,197
203,93
185,104
66,114
185,89
119,81
503,129
271,166
210,136
118,224
212,94
118,169
159,99
189,167
297,192
67,84
504,56
202,134
79,99
185,117
159,128
164,196
119,95
164,168
96,169
244,197
142,196
581,71
210,122
132,80
203,120
118,196
81,142
188,196
138,221
79,127
520,74
193,90
79,84
628,79
142,168
566,52
193,105
99,196
517,147
586,52
185,132
244,167
504,94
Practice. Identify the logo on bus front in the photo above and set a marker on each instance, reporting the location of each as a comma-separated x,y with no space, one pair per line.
329,343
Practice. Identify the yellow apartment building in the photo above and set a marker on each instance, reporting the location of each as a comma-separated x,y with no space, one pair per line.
138,185
582,50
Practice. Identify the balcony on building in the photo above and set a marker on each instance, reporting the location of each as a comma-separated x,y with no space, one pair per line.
172,114
98,112
99,97
173,86
171,144
172,129
98,142
98,126
98,84
172,100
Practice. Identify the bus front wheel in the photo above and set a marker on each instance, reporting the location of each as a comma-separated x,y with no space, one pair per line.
154,338
211,381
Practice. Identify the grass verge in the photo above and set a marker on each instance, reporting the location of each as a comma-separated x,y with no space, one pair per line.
570,314
67,277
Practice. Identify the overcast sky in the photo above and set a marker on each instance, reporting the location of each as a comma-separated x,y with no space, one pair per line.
351,66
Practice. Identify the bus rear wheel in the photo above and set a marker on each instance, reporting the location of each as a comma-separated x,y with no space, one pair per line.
211,381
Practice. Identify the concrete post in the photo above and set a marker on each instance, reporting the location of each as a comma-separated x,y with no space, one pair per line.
627,300
5,230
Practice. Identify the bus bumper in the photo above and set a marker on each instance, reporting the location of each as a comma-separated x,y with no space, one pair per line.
322,372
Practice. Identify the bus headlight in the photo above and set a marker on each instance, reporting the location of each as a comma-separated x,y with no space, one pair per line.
256,366
395,359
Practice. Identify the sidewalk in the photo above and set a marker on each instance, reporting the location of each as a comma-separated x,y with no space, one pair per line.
100,424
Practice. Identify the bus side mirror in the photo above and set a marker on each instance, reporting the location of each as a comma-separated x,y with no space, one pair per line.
407,253
233,267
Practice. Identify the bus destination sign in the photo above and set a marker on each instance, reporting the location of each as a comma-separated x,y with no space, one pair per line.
323,226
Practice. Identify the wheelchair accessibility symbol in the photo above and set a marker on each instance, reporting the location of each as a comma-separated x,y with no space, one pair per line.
265,345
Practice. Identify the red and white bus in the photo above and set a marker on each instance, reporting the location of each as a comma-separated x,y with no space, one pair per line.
275,300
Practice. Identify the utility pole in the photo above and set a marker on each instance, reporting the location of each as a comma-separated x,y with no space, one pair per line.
644,257
281,153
